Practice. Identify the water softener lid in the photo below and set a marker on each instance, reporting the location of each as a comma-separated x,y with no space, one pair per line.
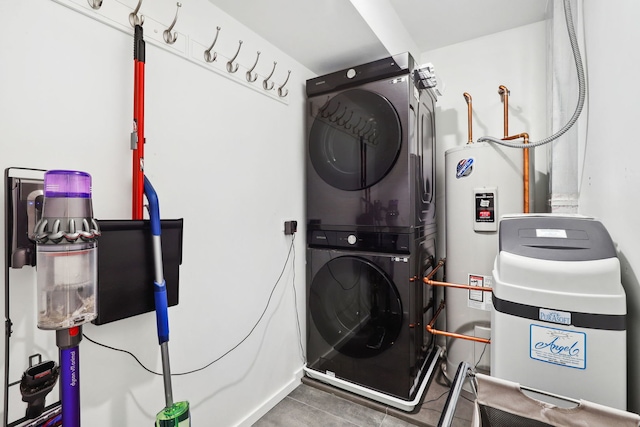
66,183
557,238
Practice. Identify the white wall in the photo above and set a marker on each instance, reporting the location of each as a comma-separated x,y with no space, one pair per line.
514,58
610,176
226,158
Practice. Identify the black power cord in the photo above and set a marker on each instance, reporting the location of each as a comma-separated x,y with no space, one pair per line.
295,303
291,249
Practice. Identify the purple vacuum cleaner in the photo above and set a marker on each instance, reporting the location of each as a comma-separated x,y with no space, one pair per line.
67,275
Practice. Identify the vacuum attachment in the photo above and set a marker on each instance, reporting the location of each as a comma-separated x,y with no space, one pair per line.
36,383
177,415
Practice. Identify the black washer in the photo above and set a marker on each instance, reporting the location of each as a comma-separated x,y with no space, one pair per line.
355,306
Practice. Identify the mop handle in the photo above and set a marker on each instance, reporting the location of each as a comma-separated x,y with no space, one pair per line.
159,285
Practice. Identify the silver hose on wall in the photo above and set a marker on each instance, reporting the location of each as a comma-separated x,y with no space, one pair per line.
582,91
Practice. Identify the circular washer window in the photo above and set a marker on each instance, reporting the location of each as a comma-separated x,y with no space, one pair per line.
355,139
355,307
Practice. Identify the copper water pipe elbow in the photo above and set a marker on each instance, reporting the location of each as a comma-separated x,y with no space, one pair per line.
435,331
525,169
504,92
435,269
467,98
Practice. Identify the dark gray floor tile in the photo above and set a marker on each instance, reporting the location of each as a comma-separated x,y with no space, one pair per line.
390,421
436,397
345,409
292,413
316,404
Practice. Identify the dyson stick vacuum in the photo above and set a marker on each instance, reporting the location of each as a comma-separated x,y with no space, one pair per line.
67,261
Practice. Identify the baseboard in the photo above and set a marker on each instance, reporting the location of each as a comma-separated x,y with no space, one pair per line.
272,401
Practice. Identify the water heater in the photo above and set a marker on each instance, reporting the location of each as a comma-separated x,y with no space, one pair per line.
482,182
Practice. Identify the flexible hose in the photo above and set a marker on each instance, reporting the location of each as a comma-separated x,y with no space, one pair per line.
582,91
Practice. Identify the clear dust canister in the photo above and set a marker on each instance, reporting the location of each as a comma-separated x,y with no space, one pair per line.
66,238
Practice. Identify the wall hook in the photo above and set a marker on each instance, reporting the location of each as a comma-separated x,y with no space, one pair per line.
95,4
365,130
168,37
266,84
370,133
330,115
231,67
207,53
324,106
250,76
346,121
355,128
323,112
134,18
282,92
335,118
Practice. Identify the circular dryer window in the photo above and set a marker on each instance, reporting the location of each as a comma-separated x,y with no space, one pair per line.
355,307
355,139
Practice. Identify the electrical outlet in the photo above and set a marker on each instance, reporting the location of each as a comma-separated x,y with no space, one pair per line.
290,227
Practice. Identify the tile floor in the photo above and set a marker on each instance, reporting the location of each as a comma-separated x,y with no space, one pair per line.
314,404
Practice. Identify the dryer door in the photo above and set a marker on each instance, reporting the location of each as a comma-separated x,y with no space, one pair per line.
355,138
355,307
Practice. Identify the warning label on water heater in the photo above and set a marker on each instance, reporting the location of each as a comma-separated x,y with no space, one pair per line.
478,299
485,207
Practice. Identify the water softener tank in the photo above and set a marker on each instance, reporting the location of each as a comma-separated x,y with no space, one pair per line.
560,309
482,182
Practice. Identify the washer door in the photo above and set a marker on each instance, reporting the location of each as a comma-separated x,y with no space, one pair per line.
355,307
355,139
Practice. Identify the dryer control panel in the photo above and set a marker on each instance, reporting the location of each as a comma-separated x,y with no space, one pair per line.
369,241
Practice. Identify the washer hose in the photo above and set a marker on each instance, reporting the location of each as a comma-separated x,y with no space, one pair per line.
582,90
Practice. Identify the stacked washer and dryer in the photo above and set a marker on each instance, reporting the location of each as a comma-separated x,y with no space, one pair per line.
371,231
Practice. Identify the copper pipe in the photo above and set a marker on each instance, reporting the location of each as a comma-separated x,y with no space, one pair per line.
467,98
434,331
525,168
435,269
457,285
504,92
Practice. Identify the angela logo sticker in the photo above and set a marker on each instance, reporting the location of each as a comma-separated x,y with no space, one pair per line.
464,168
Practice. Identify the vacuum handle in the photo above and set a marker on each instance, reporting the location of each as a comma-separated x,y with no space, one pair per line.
154,207
159,284
162,312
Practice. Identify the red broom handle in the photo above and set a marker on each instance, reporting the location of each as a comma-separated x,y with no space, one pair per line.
134,160
138,118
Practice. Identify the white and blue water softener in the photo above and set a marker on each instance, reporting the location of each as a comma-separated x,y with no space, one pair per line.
559,309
